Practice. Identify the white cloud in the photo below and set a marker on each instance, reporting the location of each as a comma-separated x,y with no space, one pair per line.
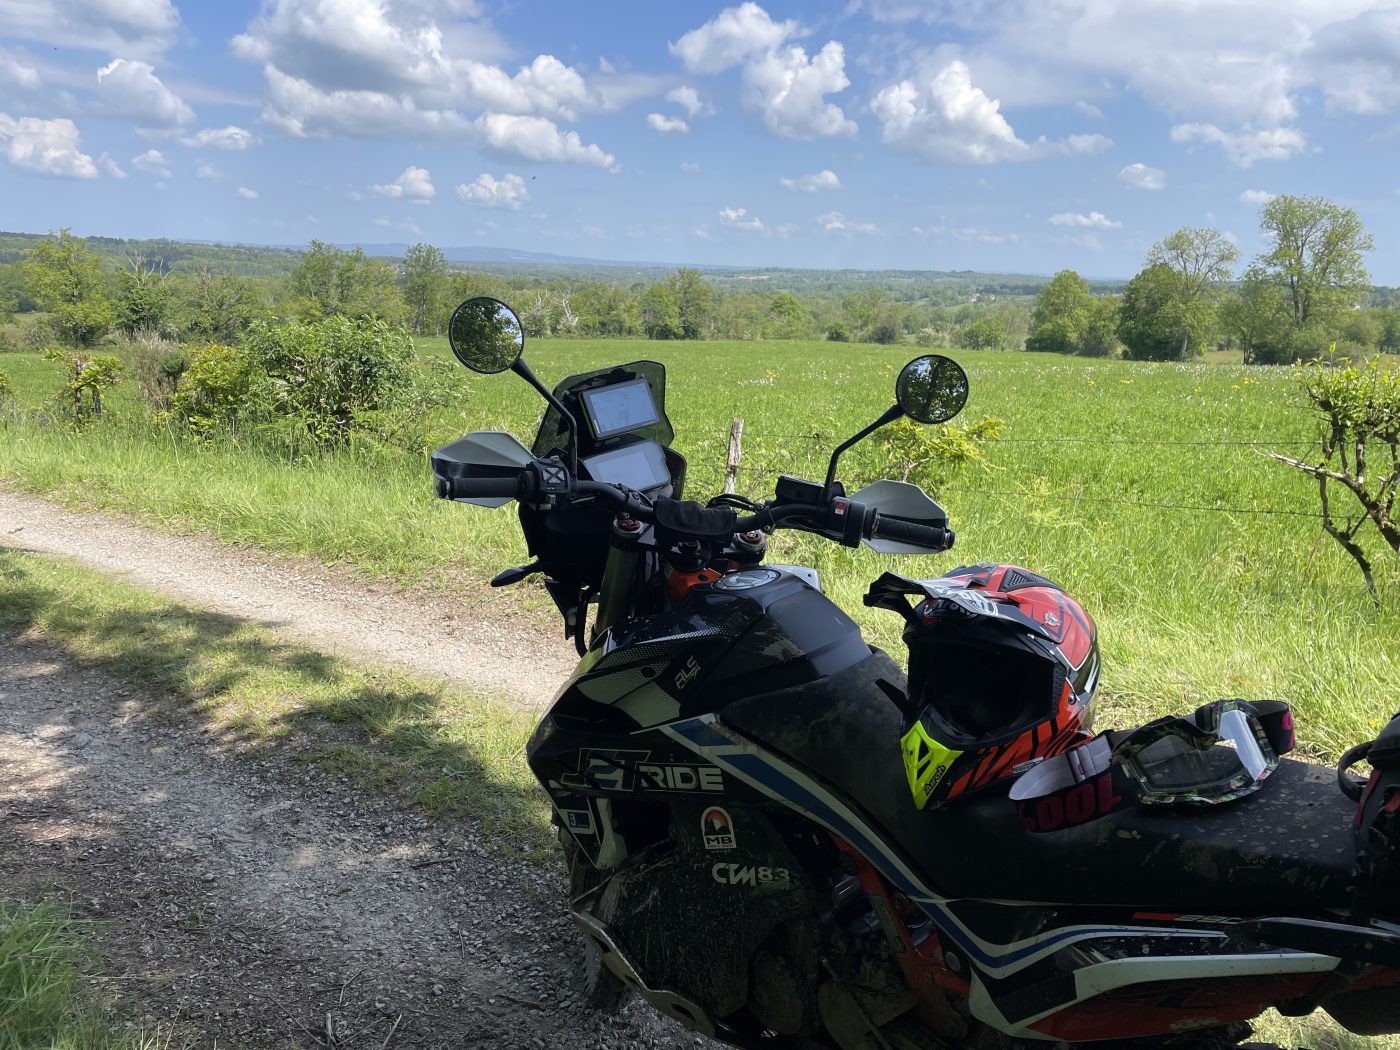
835,222
546,86
1255,198
1143,177
48,147
1245,146
740,219
729,38
207,171
110,166
247,194
507,192
538,139
822,180
129,88
1089,110
227,138
152,162
689,99
667,125
1076,145
414,183
947,119
144,27
1356,61
788,89
17,70
1095,220
305,111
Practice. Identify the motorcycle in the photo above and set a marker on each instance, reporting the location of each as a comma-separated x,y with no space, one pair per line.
747,852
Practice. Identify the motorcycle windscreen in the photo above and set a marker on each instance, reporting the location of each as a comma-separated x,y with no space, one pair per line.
554,434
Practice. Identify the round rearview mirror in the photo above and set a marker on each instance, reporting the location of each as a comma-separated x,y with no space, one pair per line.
485,335
931,389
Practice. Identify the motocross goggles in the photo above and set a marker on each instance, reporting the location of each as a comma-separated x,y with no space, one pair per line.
1223,751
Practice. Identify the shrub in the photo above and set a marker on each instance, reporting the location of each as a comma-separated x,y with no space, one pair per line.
934,455
86,377
7,389
215,386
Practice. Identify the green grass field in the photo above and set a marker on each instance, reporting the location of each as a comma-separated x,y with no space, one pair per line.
1140,487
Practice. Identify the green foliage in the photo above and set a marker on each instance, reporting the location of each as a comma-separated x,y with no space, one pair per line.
1100,338
216,385
658,314
1161,318
932,456
7,388
424,285
1256,320
330,282
66,279
837,332
86,377
695,303
1062,312
984,333
322,374
1201,256
143,300
786,318
1316,259
215,308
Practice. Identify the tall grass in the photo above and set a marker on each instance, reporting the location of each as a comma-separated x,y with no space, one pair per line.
1138,486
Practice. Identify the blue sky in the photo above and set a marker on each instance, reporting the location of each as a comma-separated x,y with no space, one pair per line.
972,134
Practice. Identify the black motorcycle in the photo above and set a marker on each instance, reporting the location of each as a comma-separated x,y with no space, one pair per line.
744,848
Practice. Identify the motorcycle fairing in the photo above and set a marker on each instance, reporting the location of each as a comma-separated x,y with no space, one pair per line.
1071,945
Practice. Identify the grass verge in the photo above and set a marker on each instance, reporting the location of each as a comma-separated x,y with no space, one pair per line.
43,1004
442,750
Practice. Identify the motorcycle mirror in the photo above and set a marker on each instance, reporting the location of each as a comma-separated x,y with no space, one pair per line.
485,335
931,389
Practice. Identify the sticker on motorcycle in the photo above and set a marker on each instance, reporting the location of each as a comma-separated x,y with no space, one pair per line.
749,875
717,828
578,821
613,770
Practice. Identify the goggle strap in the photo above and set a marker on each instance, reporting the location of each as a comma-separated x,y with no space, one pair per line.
1080,785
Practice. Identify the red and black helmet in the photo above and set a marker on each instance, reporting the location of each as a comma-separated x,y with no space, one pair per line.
1003,665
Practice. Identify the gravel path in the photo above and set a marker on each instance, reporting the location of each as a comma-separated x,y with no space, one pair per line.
354,619
246,901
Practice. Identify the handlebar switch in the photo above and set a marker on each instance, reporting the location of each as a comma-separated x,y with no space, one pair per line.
795,490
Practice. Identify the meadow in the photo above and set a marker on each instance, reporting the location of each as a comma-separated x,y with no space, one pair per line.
1139,487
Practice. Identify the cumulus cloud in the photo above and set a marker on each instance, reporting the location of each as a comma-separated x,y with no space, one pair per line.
667,125
729,38
152,162
787,88
304,110
110,166
129,88
835,222
142,27
1095,220
17,70
227,138
1089,109
947,118
507,192
1245,146
689,100
1143,177
1255,198
1356,61
47,147
207,171
822,180
413,183
247,194
538,139
546,86
740,219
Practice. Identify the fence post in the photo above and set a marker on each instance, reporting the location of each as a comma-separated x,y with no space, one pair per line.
731,462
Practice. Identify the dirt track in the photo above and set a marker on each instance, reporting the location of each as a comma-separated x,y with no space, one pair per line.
245,901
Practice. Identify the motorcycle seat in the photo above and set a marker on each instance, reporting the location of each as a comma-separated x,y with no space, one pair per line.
1287,848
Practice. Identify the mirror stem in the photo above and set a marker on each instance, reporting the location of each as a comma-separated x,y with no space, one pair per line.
521,369
892,413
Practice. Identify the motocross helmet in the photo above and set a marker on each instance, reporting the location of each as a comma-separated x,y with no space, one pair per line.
1003,665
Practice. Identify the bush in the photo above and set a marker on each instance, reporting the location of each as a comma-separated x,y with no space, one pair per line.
86,377
836,332
319,376
215,386
156,365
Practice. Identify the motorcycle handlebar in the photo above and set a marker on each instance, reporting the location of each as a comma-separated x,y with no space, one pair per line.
470,488
932,537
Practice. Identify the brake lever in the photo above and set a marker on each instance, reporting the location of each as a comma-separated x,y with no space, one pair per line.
514,575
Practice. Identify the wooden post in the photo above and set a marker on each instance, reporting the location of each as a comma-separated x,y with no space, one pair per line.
731,462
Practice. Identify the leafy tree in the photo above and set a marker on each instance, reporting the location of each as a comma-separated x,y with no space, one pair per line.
143,298
1317,256
837,332
1389,321
984,333
695,303
86,376
1100,338
1255,318
424,282
215,308
1161,318
1062,312
1358,410
216,385
658,314
330,281
786,319
66,280
1201,256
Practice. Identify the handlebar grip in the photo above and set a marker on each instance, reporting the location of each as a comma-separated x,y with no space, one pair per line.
932,537
468,488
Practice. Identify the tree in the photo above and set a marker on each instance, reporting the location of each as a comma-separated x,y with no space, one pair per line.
143,298
215,308
1062,312
424,282
1100,338
984,333
1316,257
1255,317
1161,318
66,280
658,314
695,303
329,282
1202,257
786,319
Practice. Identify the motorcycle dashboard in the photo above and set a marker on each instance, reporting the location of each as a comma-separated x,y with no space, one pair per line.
619,408
640,465
608,403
